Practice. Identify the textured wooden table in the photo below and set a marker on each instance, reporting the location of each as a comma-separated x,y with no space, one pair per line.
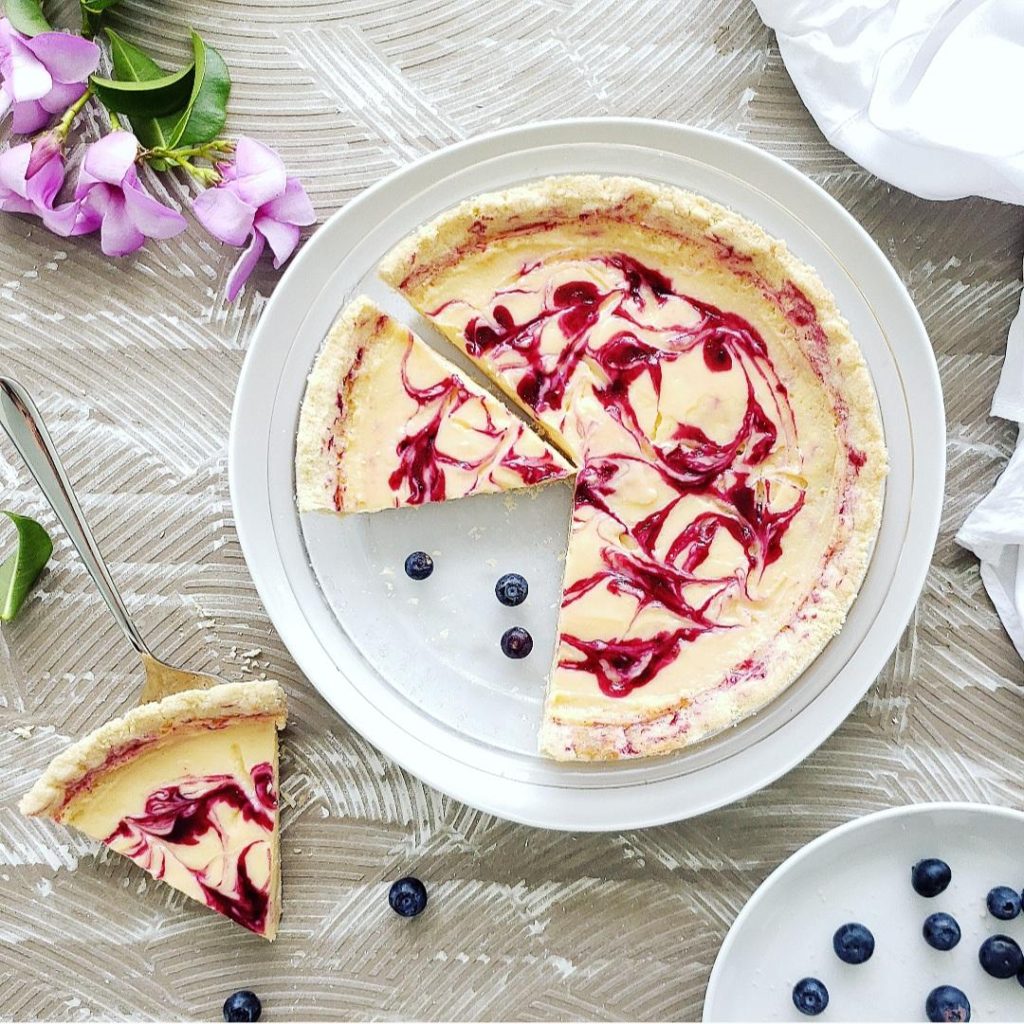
135,363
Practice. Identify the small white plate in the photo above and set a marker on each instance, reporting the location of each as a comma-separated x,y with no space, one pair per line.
416,668
861,872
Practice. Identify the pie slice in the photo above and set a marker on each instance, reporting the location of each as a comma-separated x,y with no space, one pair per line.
388,422
730,451
186,787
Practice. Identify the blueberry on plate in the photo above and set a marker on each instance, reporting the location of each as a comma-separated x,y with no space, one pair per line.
516,642
1003,902
1000,956
408,897
853,943
931,876
947,1003
242,1006
419,565
810,996
511,589
941,931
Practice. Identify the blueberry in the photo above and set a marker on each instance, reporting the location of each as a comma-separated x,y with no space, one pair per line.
516,642
419,565
408,897
1003,902
930,877
941,931
1020,977
810,996
947,1003
1000,956
242,1006
511,589
853,943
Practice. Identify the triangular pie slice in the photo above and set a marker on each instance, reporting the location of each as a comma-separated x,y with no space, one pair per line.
186,787
387,422
730,450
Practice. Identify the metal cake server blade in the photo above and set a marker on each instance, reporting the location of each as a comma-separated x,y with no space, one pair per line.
24,425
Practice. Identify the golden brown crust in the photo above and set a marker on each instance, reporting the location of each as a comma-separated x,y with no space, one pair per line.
418,266
150,722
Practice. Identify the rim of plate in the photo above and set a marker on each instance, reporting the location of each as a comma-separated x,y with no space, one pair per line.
563,805
794,861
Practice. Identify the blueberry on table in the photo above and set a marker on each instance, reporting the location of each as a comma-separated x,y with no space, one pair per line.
516,642
931,876
1000,956
408,897
242,1006
419,565
947,1003
853,943
810,996
1003,902
511,589
941,931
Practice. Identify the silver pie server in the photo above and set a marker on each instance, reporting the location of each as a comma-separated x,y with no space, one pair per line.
24,425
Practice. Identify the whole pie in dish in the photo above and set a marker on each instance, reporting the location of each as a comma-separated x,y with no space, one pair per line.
386,421
186,787
730,454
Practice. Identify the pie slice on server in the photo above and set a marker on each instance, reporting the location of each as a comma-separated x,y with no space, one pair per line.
186,787
730,451
388,422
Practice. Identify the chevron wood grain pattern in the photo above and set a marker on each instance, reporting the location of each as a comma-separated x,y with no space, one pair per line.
135,364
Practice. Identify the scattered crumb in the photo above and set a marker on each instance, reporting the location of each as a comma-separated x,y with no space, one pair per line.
254,653
23,732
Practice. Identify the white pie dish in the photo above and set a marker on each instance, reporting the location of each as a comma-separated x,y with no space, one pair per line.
416,667
860,872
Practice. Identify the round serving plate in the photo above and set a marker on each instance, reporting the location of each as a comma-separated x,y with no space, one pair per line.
416,667
861,872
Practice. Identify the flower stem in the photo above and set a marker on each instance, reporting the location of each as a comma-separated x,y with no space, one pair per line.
64,125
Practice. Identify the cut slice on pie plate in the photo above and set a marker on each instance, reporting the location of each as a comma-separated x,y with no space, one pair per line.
730,450
387,422
186,787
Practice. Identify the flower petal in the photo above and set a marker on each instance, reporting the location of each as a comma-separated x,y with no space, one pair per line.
61,96
29,79
282,237
44,185
118,234
68,58
244,267
29,117
224,215
151,217
71,219
14,167
293,207
261,174
111,157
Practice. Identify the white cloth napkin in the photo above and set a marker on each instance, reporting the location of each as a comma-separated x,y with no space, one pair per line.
927,95
924,93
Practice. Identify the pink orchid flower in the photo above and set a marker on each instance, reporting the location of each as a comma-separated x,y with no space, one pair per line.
256,202
109,196
42,75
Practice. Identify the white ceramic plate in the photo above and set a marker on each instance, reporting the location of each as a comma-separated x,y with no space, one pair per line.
861,872
416,668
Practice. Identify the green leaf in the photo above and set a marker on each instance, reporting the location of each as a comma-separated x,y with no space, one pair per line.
20,571
97,6
204,116
27,16
154,97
